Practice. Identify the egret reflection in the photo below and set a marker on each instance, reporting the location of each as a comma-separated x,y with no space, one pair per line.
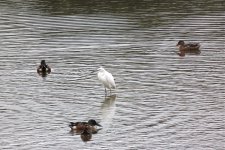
108,110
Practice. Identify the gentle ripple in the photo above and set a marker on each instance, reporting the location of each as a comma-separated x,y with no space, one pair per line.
163,101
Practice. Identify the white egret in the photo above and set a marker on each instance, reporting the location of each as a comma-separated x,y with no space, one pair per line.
106,78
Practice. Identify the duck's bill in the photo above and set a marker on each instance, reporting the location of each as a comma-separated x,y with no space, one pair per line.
98,125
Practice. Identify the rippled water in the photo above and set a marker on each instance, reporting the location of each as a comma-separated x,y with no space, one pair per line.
163,101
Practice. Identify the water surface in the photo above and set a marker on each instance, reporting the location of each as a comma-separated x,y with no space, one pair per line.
162,101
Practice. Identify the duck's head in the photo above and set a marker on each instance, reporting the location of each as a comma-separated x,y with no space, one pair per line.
181,42
92,122
43,63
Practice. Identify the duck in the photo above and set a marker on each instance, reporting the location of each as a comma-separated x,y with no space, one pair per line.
81,127
106,79
188,48
43,68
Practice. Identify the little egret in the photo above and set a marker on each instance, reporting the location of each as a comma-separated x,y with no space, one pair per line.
106,78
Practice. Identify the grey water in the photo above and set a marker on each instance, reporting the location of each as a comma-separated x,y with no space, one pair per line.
162,101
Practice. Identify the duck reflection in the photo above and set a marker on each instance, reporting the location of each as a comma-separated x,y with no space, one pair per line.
86,136
42,74
108,109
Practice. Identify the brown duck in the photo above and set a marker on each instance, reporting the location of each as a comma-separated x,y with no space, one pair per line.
188,48
80,127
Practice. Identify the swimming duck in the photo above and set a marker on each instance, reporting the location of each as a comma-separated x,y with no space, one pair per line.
80,127
43,68
188,48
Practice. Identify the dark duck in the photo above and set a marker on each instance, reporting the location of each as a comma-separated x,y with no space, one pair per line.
83,127
184,48
43,68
